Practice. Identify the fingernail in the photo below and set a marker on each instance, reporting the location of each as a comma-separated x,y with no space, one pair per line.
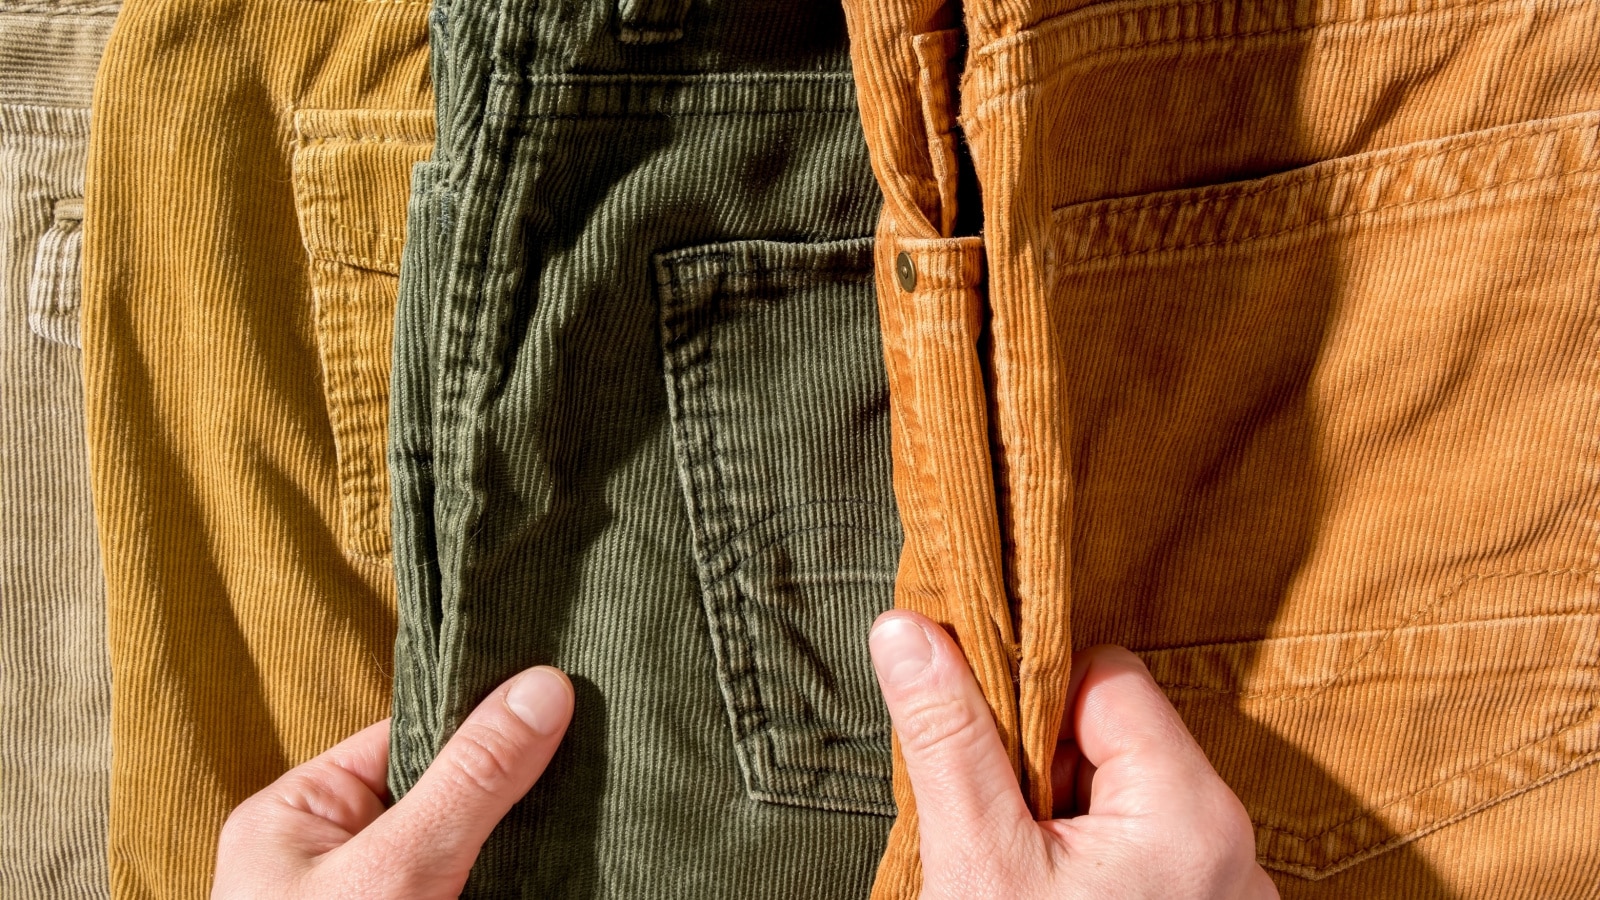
542,700
900,650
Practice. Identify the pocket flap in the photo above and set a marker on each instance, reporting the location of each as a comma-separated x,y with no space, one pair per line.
55,289
352,174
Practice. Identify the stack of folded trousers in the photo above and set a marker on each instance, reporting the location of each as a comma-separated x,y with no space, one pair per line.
640,432
55,686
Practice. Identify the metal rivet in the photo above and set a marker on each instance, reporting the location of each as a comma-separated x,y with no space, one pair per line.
906,271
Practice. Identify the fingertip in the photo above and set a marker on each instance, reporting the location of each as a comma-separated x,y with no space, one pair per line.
1108,654
1117,708
902,649
1102,663
958,767
543,699
490,763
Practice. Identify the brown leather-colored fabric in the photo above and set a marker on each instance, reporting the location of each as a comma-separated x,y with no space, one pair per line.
1275,363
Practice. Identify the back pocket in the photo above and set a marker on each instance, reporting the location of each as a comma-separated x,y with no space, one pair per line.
1346,746
1335,471
352,173
55,289
779,405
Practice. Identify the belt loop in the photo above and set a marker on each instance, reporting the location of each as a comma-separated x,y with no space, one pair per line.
935,52
651,21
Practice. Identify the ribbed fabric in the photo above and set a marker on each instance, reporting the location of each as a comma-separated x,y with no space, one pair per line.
1286,342
640,432
55,686
243,225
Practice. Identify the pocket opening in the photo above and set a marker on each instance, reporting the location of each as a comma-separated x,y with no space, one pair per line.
351,171
56,286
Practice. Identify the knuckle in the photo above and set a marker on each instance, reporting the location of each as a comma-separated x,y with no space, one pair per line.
322,792
482,759
238,827
257,815
1224,842
1227,823
944,725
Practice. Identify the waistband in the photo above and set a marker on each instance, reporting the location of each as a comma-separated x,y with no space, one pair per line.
651,37
49,52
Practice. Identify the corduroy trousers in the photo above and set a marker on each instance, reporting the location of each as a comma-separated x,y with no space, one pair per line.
245,215
1274,360
640,432
55,686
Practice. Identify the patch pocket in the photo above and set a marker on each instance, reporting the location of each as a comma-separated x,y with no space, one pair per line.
55,289
779,404
1345,746
1333,432
351,172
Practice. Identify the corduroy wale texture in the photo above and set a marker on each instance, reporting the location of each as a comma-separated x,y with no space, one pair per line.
1278,341
640,432
55,686
244,221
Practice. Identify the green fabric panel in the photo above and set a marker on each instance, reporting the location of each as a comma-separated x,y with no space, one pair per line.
640,432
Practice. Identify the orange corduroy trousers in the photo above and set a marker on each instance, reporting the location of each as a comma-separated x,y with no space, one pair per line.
1261,337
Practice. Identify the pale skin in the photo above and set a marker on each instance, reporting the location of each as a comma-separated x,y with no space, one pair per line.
1141,813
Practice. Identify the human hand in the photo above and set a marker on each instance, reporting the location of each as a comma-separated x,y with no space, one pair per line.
1153,818
322,831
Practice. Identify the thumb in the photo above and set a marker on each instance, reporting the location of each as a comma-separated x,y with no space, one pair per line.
968,801
426,844
1139,756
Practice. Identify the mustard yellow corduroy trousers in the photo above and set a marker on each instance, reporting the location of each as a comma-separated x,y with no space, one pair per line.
1266,346
244,216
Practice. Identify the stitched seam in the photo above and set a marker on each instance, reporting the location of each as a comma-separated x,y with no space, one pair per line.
1580,719
1318,223
1060,28
398,244
1201,649
689,95
65,122
853,774
1341,863
1315,174
357,261
677,114
753,743
720,610
372,2
755,707
774,516
850,274
57,10
1433,604
307,140
1383,638
831,803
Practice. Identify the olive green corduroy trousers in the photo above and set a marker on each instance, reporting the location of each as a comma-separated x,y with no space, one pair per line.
639,431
